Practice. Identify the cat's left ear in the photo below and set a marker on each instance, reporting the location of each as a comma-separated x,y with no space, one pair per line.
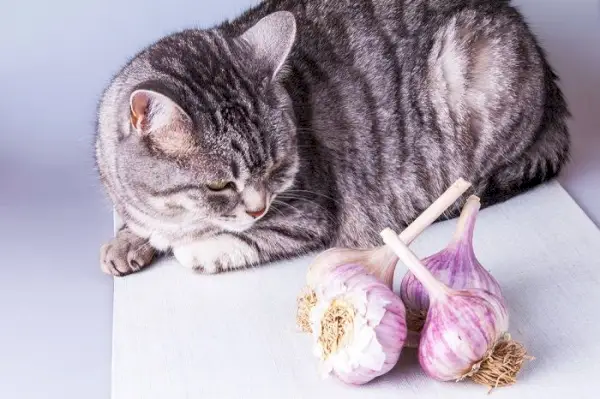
272,39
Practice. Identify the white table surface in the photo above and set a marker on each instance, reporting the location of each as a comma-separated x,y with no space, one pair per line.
179,335
55,306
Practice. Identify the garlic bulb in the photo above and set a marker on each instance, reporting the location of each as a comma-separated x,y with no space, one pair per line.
463,328
465,333
380,261
358,325
456,266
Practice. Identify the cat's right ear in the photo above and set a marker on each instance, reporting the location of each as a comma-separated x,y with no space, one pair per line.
271,39
151,111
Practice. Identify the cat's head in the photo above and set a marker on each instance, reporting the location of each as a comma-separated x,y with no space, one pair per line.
212,139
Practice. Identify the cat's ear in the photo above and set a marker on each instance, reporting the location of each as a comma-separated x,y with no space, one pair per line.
151,111
162,121
272,39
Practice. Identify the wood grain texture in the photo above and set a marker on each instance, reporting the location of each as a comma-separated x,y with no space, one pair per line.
180,335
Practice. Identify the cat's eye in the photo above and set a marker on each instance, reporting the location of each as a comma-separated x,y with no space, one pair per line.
221,185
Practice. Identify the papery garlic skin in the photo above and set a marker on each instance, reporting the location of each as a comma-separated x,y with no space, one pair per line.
378,328
378,261
456,266
460,330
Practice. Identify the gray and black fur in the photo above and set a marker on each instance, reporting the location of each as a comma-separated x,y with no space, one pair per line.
351,116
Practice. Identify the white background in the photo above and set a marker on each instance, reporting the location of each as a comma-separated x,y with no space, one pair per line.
55,58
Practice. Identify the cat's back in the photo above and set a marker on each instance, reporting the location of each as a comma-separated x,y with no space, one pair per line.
361,52
341,30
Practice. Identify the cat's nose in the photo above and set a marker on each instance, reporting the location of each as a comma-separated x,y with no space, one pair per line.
256,214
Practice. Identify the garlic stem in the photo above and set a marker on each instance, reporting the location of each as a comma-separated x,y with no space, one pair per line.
466,220
434,211
434,287
426,218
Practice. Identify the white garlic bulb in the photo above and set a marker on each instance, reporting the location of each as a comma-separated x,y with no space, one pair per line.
358,325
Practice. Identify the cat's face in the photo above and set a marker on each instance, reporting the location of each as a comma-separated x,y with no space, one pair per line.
219,150
223,168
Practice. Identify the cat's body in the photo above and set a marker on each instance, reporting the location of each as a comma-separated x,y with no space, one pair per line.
352,116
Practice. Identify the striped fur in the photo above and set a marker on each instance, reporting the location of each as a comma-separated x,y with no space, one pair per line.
378,106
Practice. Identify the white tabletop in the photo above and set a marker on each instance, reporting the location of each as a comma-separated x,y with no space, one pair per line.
55,306
178,334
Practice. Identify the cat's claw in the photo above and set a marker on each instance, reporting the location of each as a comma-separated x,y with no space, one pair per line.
125,254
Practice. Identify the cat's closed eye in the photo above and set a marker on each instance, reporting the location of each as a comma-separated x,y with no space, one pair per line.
221,185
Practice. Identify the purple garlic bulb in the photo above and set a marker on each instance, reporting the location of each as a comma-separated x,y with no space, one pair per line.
358,325
456,266
462,327
465,332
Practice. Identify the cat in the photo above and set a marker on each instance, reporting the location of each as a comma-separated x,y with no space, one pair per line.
302,125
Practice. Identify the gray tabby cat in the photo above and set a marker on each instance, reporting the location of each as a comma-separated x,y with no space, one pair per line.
308,124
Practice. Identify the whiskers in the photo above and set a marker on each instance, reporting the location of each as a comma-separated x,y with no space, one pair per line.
313,193
273,207
300,195
306,202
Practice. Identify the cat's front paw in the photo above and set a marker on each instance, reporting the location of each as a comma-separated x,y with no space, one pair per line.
125,254
216,254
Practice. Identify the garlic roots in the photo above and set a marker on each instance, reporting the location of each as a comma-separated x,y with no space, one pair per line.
456,266
464,335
